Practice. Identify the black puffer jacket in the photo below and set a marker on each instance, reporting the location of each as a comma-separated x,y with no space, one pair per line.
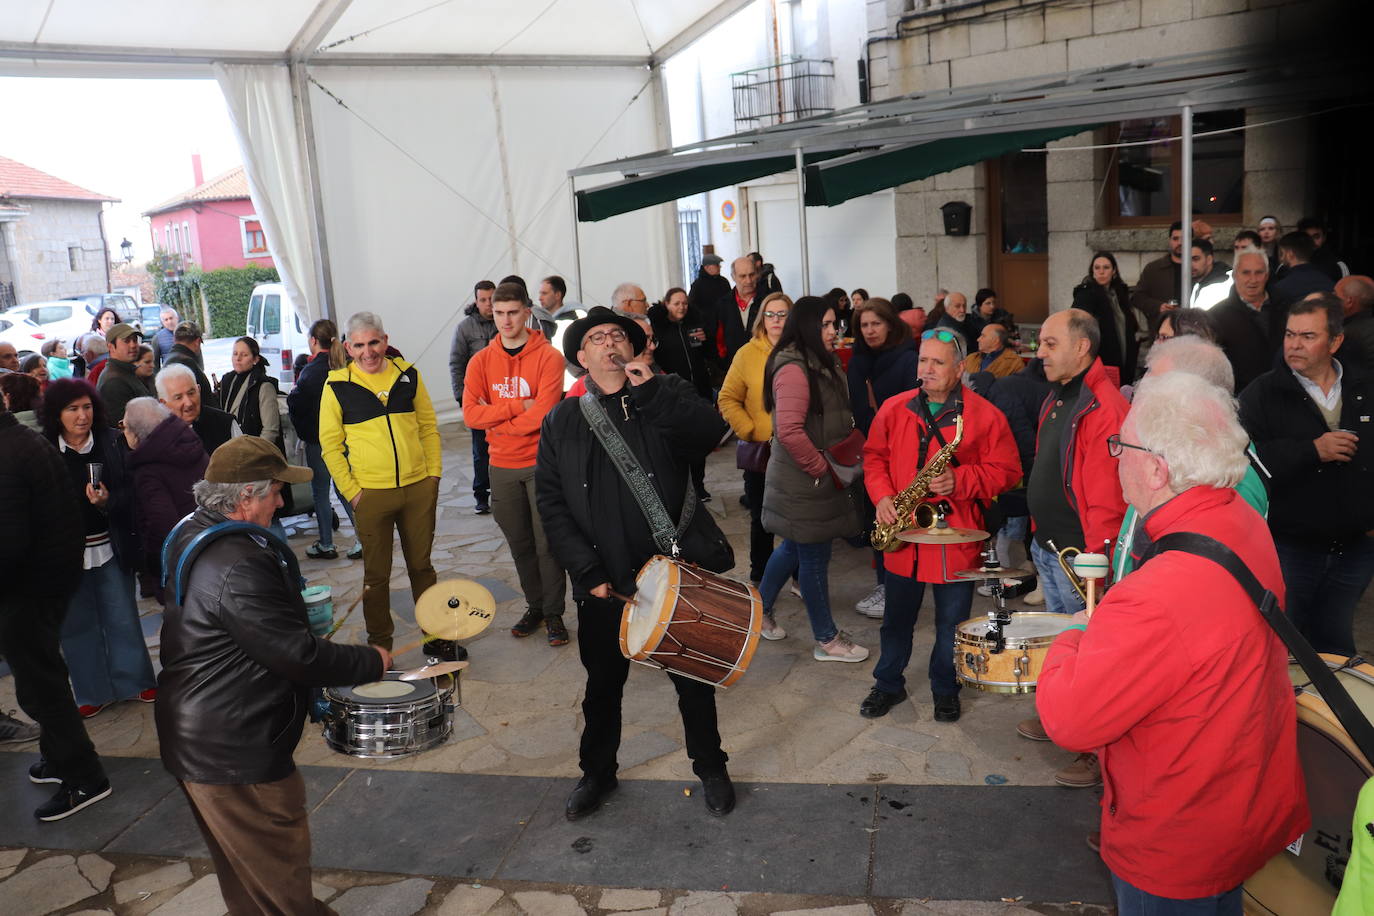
1091,297
682,346
41,537
238,659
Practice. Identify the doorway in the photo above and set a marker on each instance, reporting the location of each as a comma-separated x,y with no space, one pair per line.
1018,235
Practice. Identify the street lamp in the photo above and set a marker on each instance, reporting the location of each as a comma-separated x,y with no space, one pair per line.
126,248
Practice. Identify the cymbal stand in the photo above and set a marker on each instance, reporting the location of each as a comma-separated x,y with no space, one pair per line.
999,617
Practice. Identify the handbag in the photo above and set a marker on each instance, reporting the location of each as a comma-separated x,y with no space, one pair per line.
846,459
753,456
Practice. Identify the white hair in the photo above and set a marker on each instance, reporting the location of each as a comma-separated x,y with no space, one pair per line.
364,321
226,497
1249,251
143,415
94,344
1196,356
623,292
168,310
1192,425
170,374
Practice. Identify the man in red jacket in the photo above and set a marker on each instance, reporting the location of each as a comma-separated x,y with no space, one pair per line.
1073,492
1175,680
508,388
907,432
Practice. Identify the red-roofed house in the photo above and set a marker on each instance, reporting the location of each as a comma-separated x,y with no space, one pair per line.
214,223
52,240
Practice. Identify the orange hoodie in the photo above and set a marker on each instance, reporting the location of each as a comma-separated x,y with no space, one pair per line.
495,388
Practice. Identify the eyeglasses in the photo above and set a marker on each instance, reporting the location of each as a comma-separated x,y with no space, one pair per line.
1161,337
1115,446
615,335
944,335
652,340
775,315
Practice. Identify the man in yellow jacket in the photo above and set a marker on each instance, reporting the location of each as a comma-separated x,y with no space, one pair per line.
381,444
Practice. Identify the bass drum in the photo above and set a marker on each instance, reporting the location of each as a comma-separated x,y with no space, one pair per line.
1305,878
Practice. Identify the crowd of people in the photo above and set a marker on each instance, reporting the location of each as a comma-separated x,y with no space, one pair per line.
1134,417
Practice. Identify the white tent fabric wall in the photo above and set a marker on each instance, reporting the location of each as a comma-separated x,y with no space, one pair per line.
260,105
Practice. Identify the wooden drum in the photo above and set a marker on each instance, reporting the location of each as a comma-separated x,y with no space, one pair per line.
691,622
1016,668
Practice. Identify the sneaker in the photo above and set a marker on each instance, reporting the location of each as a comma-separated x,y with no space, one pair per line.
984,590
794,589
557,632
871,605
1035,598
770,628
703,496
1083,773
71,799
531,621
1033,729
839,649
318,551
355,552
947,709
43,772
147,696
12,731
483,509
90,712
879,703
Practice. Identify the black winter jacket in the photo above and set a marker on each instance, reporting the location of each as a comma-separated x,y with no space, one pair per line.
238,659
1300,281
1323,503
890,372
41,537
1249,338
117,517
303,402
679,349
1091,297
594,525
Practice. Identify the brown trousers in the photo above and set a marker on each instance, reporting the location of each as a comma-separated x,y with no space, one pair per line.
259,839
410,511
541,578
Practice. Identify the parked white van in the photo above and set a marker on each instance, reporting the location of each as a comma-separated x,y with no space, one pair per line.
273,323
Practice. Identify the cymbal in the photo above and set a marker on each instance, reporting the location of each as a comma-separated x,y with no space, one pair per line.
455,609
994,572
429,671
942,535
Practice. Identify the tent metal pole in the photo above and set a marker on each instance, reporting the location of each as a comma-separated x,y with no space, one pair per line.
577,242
801,222
1186,184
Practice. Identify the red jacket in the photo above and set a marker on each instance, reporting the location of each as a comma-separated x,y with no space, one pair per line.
988,466
505,382
1091,484
1182,689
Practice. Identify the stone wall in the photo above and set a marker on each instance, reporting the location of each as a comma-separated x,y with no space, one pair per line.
41,241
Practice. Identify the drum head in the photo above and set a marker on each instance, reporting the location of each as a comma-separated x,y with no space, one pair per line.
644,616
1024,625
385,692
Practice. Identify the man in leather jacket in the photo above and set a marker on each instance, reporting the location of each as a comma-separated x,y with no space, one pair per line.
238,659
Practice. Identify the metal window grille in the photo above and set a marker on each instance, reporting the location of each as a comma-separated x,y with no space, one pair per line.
689,241
7,295
782,92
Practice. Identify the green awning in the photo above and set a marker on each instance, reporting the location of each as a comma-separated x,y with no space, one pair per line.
834,182
609,200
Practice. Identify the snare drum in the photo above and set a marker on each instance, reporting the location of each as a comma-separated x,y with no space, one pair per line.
691,622
389,718
1017,667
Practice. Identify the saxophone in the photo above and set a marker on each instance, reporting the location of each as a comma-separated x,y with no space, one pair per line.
884,537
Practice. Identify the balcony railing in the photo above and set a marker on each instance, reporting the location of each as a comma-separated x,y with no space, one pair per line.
781,92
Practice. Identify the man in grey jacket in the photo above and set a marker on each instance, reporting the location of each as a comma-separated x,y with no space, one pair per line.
473,334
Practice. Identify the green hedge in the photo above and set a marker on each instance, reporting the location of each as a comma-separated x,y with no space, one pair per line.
227,291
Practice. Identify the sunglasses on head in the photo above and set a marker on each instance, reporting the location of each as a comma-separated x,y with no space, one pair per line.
944,335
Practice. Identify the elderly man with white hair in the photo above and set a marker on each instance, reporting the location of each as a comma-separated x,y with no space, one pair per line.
181,393
630,297
380,442
1245,321
1176,681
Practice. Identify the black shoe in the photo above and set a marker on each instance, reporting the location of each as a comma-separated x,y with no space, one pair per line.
587,797
744,501
483,509
557,632
879,703
531,621
443,650
703,496
42,772
946,709
719,793
71,799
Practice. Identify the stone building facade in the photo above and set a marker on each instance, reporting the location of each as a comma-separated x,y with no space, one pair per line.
920,45
52,240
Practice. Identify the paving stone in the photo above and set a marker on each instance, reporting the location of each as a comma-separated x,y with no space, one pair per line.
466,900
402,898
157,880
544,903
903,738
96,870
10,858
854,909
322,891
705,903
947,766
200,899
656,911
47,886
621,898
966,908
92,913
642,748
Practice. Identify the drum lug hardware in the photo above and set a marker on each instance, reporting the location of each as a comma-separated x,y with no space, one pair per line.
1022,667
978,664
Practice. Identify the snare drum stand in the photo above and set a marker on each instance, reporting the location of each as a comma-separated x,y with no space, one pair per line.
999,617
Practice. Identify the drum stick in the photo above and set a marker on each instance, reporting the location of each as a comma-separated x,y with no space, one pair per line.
624,598
335,628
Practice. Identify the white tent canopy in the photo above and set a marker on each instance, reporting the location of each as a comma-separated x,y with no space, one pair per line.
398,152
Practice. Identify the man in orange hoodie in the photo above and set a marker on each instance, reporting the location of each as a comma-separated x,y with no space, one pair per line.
508,388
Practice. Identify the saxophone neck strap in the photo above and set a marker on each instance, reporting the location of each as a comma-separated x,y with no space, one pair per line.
956,403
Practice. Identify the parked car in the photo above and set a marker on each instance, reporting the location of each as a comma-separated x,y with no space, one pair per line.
152,317
123,304
274,324
65,319
26,336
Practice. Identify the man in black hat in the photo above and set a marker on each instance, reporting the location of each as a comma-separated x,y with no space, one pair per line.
601,536
238,662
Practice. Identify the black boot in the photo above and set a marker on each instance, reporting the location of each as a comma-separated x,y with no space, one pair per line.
588,795
719,793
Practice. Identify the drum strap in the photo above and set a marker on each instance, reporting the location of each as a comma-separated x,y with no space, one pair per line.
179,572
1354,722
666,534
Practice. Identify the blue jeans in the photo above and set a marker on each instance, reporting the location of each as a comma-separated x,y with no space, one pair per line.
1132,901
902,604
1011,540
810,563
1060,597
481,476
1323,585
320,485
103,640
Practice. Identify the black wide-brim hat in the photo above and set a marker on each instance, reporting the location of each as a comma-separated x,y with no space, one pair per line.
572,340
